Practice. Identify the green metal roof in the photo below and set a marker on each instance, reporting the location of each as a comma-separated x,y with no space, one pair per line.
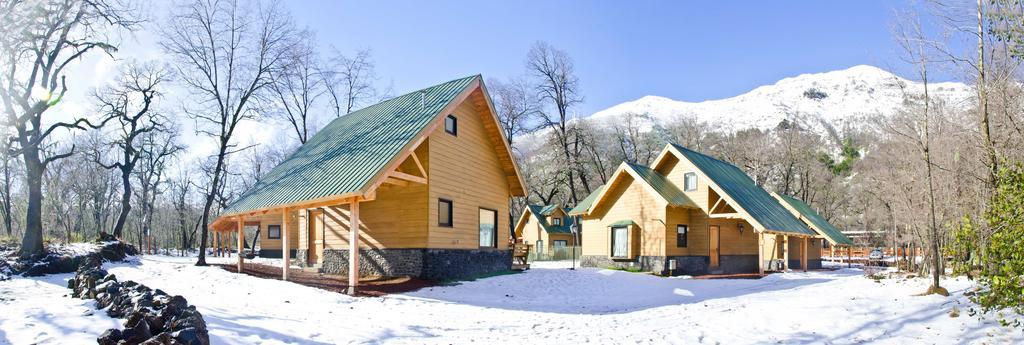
666,189
542,211
584,205
344,156
753,199
624,222
807,214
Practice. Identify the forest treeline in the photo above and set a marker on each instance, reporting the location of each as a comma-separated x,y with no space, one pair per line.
939,176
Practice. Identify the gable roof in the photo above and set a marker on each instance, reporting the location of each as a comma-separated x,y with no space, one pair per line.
584,205
542,211
816,221
345,157
737,186
661,184
652,180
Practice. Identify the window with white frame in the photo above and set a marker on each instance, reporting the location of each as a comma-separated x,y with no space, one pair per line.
620,242
488,228
690,182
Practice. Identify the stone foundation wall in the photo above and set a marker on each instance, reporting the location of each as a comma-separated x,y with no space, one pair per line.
738,264
654,264
812,264
448,264
300,254
688,265
376,262
433,264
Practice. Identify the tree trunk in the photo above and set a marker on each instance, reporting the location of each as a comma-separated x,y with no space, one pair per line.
214,185
32,242
126,203
8,223
986,135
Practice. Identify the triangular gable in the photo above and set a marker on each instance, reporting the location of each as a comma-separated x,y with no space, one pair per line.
541,212
653,182
353,154
815,221
753,203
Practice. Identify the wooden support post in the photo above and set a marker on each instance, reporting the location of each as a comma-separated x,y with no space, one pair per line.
785,252
284,245
241,229
803,255
216,236
760,253
353,247
849,256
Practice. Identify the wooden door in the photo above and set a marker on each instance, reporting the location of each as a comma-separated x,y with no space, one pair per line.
315,227
713,231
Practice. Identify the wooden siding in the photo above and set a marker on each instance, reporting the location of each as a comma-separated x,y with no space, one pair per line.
268,219
628,200
466,170
531,231
396,218
697,242
675,171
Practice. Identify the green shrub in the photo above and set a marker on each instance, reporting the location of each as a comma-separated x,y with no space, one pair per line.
1002,277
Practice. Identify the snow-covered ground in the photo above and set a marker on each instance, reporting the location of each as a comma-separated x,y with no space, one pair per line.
41,311
548,304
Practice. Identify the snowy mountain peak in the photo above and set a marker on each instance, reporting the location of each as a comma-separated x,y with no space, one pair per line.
822,101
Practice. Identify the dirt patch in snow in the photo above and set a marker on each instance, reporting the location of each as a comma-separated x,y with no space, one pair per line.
368,286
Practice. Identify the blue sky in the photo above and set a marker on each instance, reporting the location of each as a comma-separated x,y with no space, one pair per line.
623,50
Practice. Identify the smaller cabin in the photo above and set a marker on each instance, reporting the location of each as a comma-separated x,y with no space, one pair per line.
689,213
548,229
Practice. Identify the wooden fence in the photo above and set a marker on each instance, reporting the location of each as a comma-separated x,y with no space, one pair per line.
862,252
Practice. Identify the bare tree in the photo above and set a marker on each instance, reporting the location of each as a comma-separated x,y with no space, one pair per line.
226,53
349,81
516,105
557,83
915,45
297,87
131,103
156,147
5,189
40,40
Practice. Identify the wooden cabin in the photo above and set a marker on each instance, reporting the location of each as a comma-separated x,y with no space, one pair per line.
546,228
689,213
427,176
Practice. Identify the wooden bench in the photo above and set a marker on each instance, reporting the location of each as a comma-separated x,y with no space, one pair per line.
519,253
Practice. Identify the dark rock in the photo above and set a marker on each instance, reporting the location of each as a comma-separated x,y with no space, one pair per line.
155,322
162,339
192,336
137,333
178,302
110,337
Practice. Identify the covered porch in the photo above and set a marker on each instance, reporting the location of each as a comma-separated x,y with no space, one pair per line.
283,222
775,251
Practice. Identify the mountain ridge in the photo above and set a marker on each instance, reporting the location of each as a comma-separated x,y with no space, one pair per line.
836,99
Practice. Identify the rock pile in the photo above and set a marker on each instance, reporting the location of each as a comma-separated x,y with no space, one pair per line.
152,316
56,261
